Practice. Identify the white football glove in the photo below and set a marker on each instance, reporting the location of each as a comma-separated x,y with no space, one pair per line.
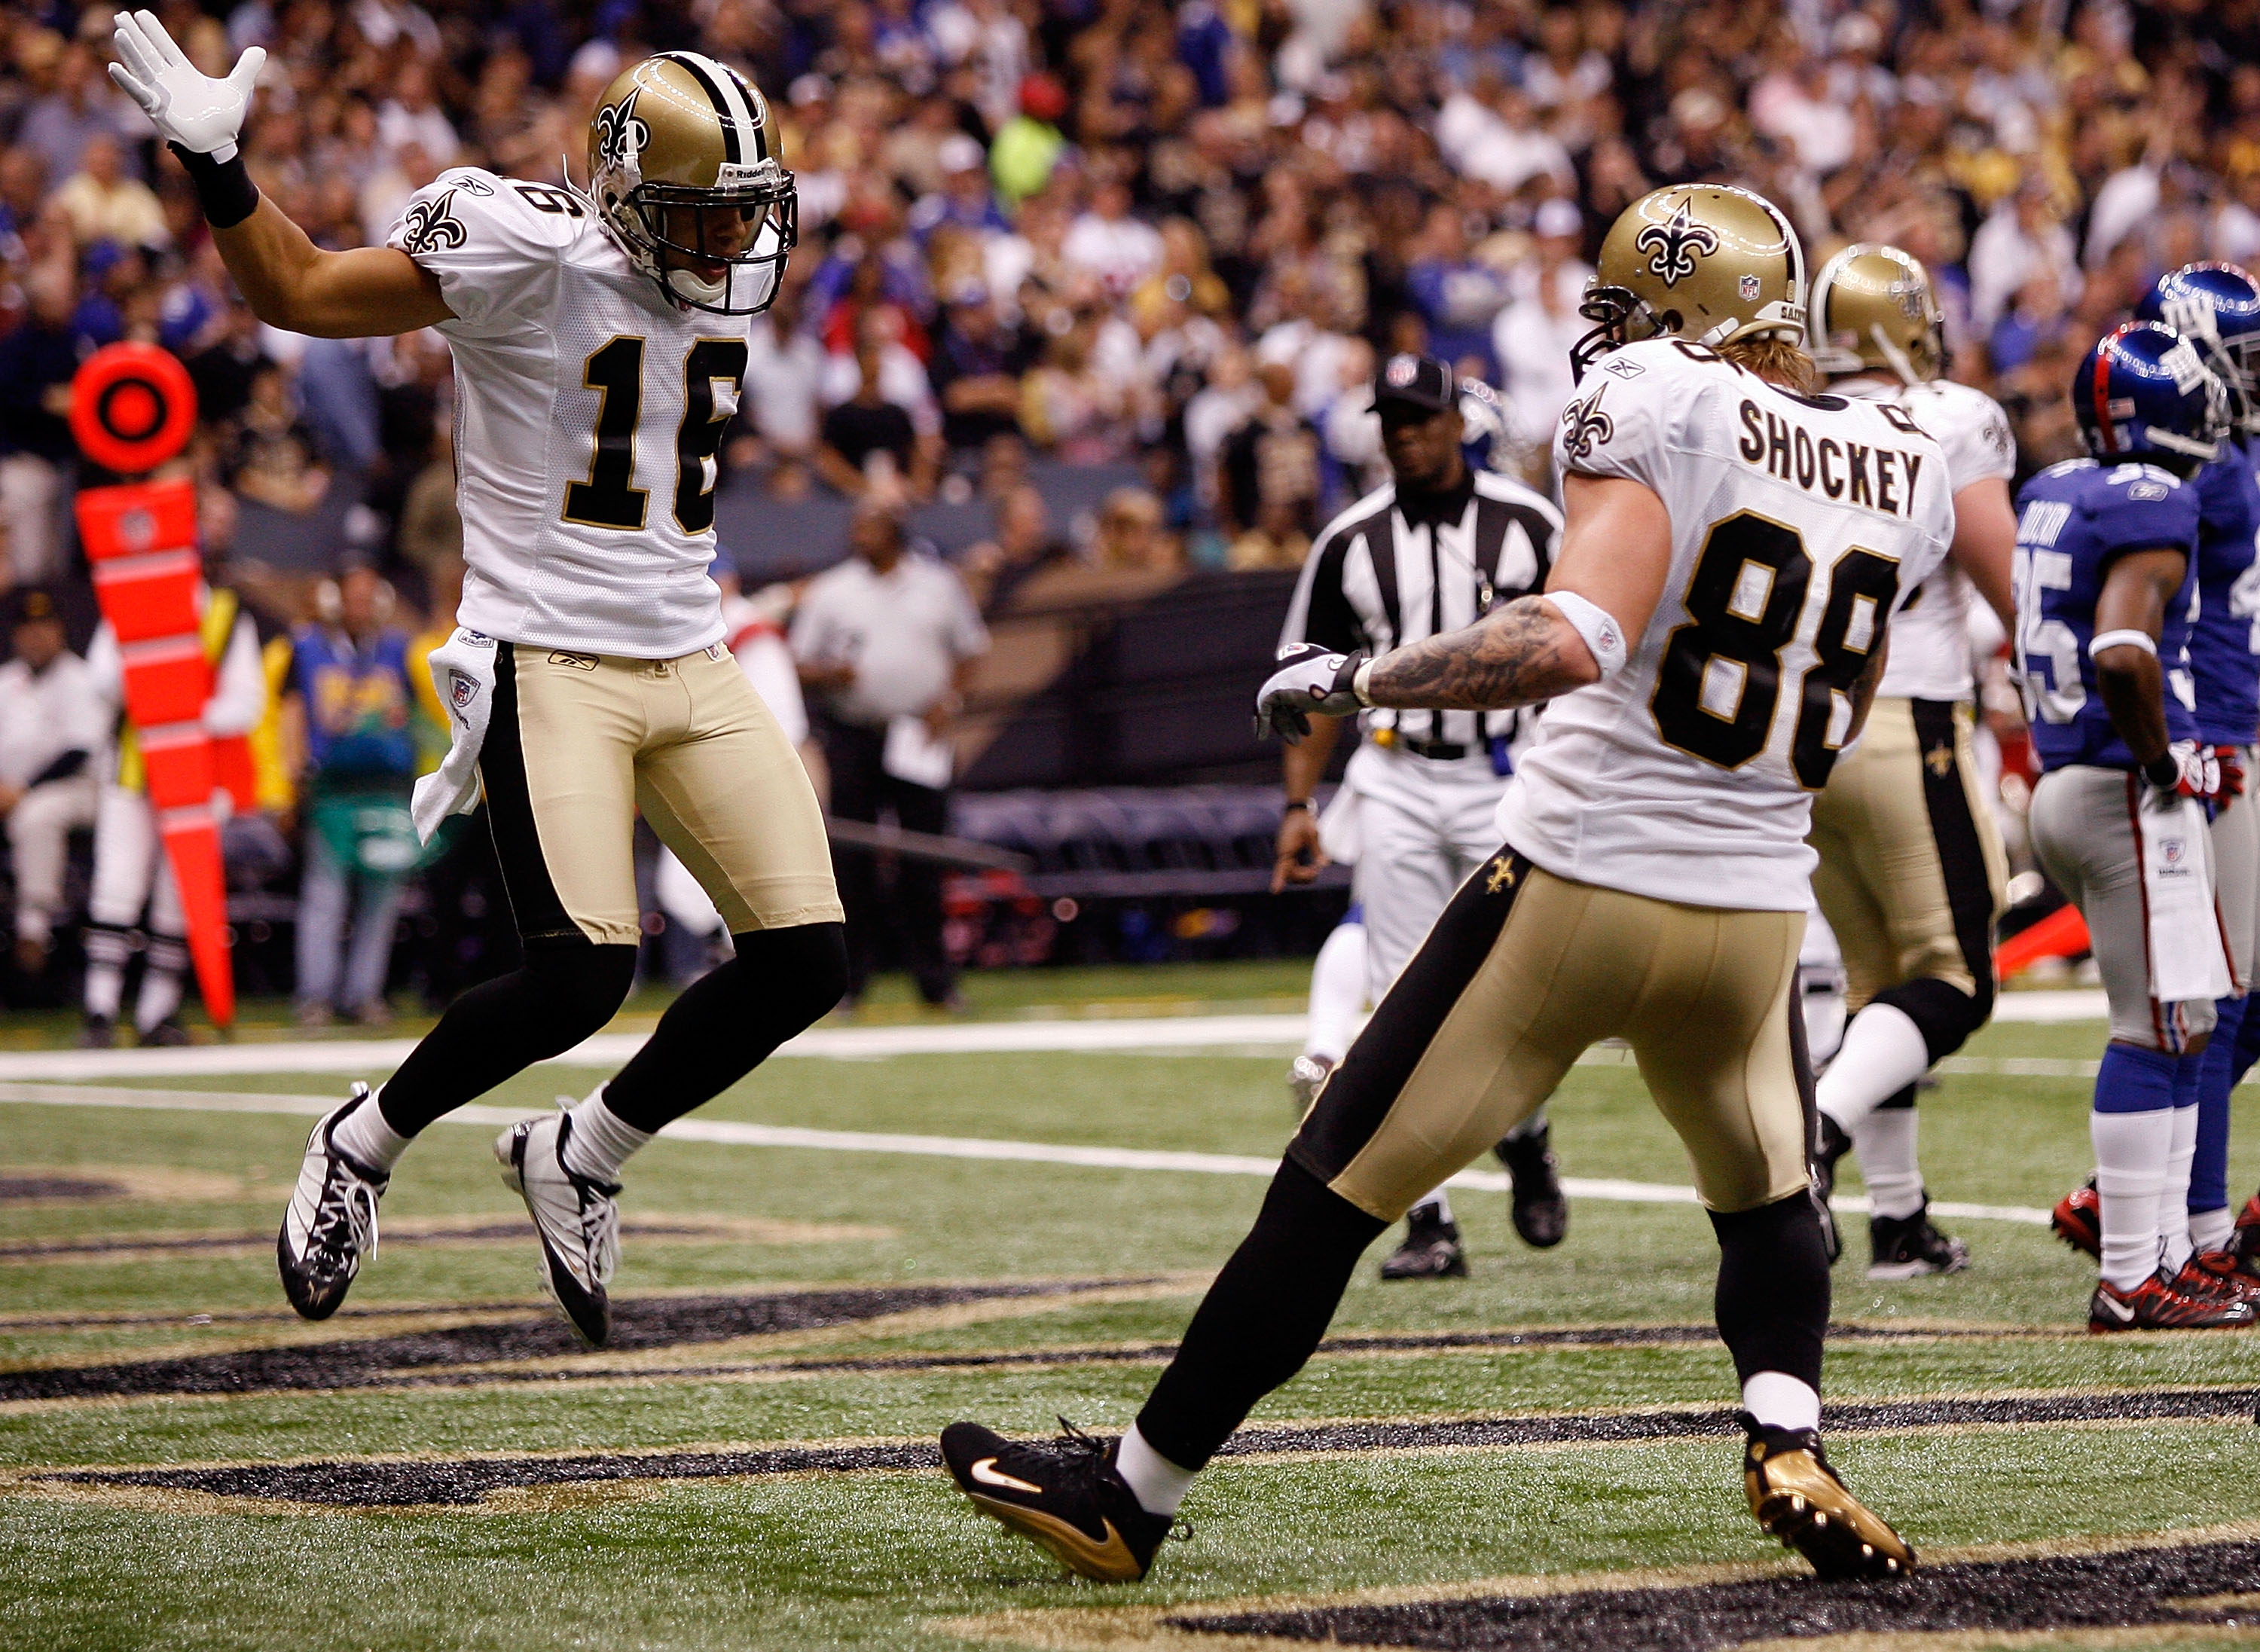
2207,773
188,107
1309,679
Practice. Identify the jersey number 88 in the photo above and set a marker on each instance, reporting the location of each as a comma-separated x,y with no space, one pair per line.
610,498
1719,680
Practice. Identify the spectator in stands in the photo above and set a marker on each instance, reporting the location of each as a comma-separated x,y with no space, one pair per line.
1269,468
1023,546
37,360
1531,337
350,702
874,435
1109,243
886,642
105,204
1132,537
54,735
784,376
273,458
976,371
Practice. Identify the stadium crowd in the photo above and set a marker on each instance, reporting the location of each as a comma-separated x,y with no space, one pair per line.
1069,231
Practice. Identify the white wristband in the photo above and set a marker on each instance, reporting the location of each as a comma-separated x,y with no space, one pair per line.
2142,640
1596,625
1358,681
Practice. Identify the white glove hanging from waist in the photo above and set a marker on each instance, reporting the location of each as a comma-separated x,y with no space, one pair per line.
463,675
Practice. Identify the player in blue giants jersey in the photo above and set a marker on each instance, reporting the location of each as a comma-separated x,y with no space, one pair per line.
2217,308
2106,577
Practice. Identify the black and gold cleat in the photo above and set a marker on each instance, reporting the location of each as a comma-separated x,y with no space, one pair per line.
1064,1496
1796,1497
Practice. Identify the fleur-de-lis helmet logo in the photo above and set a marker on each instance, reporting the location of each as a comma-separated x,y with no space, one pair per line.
430,225
1672,247
1584,427
620,135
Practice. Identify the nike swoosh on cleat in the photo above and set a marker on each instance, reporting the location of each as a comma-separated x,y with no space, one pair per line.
987,1472
2120,1311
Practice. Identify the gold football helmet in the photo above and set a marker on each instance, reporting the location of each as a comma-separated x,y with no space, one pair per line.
1705,262
683,174
1874,311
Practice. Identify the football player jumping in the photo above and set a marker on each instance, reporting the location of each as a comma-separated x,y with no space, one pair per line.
1710,639
1911,870
599,342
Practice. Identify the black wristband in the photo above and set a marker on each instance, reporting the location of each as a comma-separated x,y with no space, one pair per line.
224,188
2163,772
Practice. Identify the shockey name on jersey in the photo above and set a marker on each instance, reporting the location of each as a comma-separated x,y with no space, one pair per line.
1783,580
597,406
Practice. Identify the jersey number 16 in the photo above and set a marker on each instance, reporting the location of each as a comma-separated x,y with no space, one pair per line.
610,498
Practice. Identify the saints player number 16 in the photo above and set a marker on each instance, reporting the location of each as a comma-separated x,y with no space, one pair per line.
610,498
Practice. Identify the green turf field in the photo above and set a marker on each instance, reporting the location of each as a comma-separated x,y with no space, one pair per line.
182,1464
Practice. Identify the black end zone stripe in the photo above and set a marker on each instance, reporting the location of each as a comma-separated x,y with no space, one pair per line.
534,903
689,65
1361,1091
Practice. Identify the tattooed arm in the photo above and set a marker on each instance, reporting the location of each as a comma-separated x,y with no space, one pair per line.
1616,549
1516,655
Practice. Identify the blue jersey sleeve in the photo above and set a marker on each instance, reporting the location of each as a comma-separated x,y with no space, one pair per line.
2137,508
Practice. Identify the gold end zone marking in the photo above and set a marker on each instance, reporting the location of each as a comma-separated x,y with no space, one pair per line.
136,1183
634,1368
1126,1628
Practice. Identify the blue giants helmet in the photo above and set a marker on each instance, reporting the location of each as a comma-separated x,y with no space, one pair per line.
2216,307
2142,393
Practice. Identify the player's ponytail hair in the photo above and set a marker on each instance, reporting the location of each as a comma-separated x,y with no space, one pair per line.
1776,359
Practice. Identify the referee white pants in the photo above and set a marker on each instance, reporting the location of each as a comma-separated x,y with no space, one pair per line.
1423,826
130,871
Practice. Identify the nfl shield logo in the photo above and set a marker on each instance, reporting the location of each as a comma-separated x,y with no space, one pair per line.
137,530
1402,370
1749,287
461,689
2170,849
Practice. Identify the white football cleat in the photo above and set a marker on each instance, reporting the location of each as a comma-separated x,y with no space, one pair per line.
575,1217
330,1228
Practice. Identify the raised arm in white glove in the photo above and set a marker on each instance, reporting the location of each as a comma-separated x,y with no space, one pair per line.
189,108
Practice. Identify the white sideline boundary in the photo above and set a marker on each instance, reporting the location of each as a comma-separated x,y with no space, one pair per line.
1149,1035
732,1133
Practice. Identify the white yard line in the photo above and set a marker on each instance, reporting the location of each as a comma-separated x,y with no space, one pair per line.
1138,1035
732,1133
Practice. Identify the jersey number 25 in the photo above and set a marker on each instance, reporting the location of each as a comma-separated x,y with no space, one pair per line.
610,498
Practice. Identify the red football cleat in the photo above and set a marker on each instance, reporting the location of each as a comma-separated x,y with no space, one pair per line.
2078,1219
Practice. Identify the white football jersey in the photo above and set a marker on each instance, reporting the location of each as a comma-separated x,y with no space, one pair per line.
588,412
1798,523
1930,639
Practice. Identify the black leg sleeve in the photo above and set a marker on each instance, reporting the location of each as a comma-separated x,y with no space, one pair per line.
728,1020
1262,1319
1773,1288
559,996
